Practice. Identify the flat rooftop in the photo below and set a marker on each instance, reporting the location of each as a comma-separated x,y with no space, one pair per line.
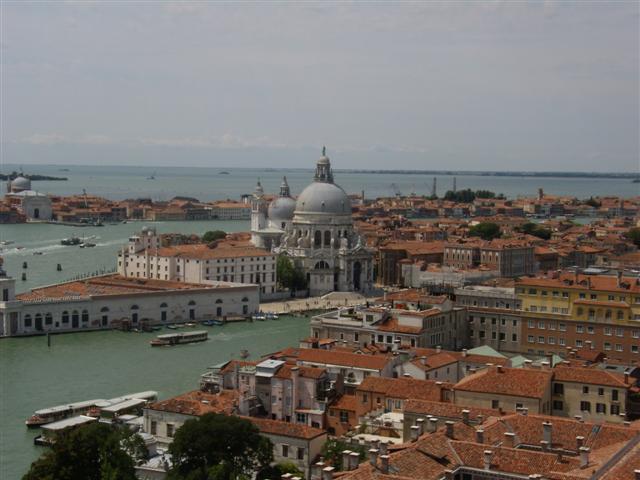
112,285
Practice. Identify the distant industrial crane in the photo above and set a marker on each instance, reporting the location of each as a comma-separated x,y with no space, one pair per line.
396,190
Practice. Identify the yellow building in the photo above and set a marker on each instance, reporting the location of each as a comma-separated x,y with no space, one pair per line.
577,311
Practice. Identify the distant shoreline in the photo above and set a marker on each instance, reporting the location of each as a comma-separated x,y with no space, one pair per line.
629,176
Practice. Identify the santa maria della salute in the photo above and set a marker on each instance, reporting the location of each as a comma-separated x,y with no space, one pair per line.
316,231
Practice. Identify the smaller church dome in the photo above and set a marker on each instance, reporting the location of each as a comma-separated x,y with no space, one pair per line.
20,184
282,208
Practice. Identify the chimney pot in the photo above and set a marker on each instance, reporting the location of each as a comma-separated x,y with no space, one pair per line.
544,444
433,424
480,435
464,352
546,432
423,360
327,473
487,459
509,439
383,447
449,424
636,474
373,456
465,416
579,442
420,423
345,459
384,464
584,457
354,460
415,432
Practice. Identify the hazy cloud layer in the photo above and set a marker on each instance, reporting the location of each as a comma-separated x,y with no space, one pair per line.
493,85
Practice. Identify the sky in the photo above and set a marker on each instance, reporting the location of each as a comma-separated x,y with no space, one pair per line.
496,85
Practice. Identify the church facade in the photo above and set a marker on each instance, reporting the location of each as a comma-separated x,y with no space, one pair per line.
316,232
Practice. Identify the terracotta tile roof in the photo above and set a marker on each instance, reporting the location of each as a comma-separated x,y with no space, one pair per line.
284,372
567,280
447,410
405,388
436,360
229,367
589,376
201,251
285,429
330,357
109,285
198,403
517,382
625,466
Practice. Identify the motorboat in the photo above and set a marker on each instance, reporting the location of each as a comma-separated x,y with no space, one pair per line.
71,241
272,316
259,316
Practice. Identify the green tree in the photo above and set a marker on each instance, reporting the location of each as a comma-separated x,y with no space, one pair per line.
288,275
91,452
634,235
218,447
333,448
213,235
276,471
536,230
485,230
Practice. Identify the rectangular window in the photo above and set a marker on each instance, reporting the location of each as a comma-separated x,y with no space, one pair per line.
614,395
562,327
558,388
154,427
300,453
579,329
561,341
170,430
585,389
600,391
601,408
531,339
344,416
285,450
585,406
614,409
540,339
558,405
495,404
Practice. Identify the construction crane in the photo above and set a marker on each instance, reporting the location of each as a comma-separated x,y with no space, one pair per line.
396,190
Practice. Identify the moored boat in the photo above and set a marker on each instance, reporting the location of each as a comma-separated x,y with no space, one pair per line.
211,323
272,316
259,316
60,412
179,338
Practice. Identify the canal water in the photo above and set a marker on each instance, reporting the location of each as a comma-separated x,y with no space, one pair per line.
83,366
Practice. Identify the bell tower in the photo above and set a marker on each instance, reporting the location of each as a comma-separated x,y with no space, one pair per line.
323,169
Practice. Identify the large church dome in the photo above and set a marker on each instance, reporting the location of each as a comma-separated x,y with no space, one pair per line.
282,208
323,196
20,184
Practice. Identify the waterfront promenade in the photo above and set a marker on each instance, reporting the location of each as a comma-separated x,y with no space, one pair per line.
326,302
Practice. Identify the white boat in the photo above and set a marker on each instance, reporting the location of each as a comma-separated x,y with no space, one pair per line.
179,338
272,316
60,412
259,316
51,431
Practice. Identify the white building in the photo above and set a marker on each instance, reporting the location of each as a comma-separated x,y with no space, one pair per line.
224,261
110,301
33,205
316,232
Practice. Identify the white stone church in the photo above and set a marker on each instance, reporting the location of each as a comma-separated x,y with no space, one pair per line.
316,231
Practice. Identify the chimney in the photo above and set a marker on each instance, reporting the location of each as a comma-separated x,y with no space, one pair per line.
480,419
626,376
545,445
433,424
499,369
527,363
465,416
449,424
438,349
406,375
546,432
415,432
509,439
464,352
545,365
327,473
584,457
525,411
345,459
420,423
423,360
487,459
480,435
383,447
577,418
354,460
384,464
317,470
373,456
579,442
636,474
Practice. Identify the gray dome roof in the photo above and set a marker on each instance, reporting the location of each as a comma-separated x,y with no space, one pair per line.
320,197
21,183
282,208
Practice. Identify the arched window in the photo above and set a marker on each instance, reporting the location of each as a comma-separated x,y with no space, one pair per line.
104,309
48,319
27,320
327,238
317,239
607,314
135,307
245,299
65,317
38,319
75,317
192,302
321,265
163,305
85,316
218,301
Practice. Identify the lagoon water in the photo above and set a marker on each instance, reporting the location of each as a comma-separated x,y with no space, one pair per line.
120,182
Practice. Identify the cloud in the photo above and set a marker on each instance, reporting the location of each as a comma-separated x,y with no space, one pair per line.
226,140
57,139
